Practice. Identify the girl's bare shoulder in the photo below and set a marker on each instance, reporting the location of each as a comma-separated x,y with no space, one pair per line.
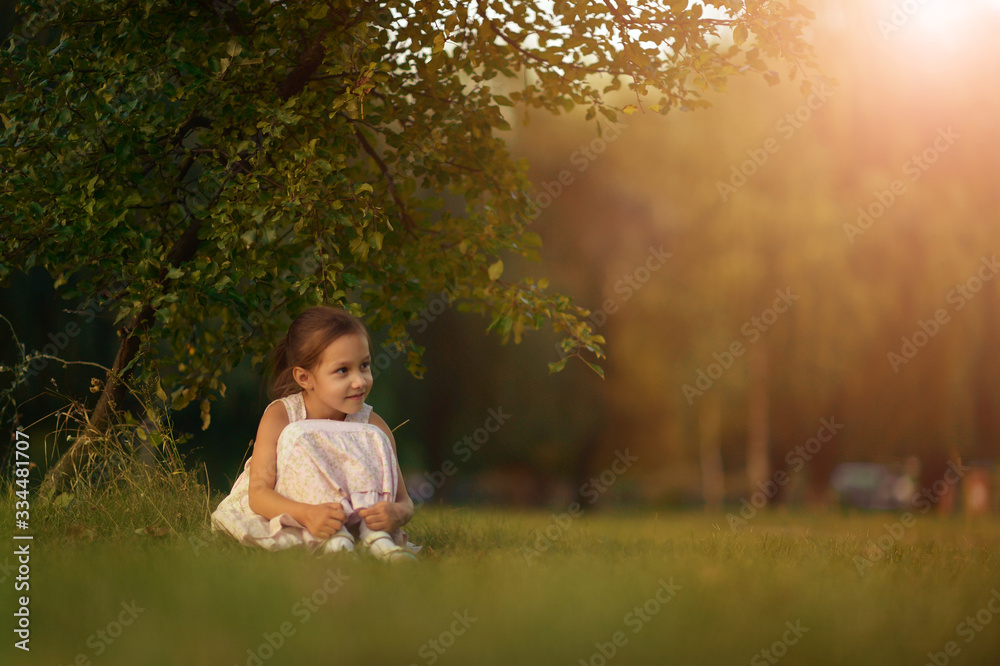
274,419
377,421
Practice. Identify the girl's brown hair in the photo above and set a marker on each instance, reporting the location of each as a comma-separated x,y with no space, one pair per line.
310,333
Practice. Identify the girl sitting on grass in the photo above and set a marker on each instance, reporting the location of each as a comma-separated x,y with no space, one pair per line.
322,461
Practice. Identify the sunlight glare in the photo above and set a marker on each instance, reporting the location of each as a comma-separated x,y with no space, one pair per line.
936,32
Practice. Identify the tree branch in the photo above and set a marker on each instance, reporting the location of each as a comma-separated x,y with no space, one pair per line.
309,62
390,181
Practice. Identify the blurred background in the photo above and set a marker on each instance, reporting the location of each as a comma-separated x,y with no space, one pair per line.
798,291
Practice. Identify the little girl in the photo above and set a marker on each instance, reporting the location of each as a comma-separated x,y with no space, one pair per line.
322,460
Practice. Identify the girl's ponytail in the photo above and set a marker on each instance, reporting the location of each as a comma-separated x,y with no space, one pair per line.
282,382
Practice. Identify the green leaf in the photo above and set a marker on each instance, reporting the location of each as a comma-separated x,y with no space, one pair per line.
740,34
557,366
206,415
596,368
359,248
496,270
318,11
62,500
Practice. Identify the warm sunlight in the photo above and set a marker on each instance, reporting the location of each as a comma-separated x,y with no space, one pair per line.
936,32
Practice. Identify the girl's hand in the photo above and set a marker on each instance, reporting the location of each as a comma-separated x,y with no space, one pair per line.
385,516
324,520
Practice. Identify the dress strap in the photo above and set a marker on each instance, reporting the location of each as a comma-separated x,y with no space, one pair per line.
295,406
362,416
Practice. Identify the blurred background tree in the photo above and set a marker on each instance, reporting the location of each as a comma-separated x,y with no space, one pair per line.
911,109
201,171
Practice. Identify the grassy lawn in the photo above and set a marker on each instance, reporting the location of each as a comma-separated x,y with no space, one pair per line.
610,587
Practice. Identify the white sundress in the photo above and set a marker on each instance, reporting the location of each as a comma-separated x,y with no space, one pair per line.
318,460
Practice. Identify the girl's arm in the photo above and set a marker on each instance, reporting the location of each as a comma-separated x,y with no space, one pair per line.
389,515
264,500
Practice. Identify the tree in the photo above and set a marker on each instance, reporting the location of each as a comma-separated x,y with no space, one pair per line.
203,169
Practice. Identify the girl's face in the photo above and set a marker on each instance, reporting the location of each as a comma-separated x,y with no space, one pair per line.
339,383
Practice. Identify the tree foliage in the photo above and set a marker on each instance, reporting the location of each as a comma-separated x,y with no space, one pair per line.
201,171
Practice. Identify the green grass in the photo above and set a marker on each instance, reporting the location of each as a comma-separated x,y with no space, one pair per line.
129,535
207,600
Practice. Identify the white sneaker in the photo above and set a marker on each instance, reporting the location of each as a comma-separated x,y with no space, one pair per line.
383,548
341,542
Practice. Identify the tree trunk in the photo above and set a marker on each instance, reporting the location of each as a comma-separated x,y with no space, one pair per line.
820,467
985,392
440,415
709,447
758,424
582,469
114,388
